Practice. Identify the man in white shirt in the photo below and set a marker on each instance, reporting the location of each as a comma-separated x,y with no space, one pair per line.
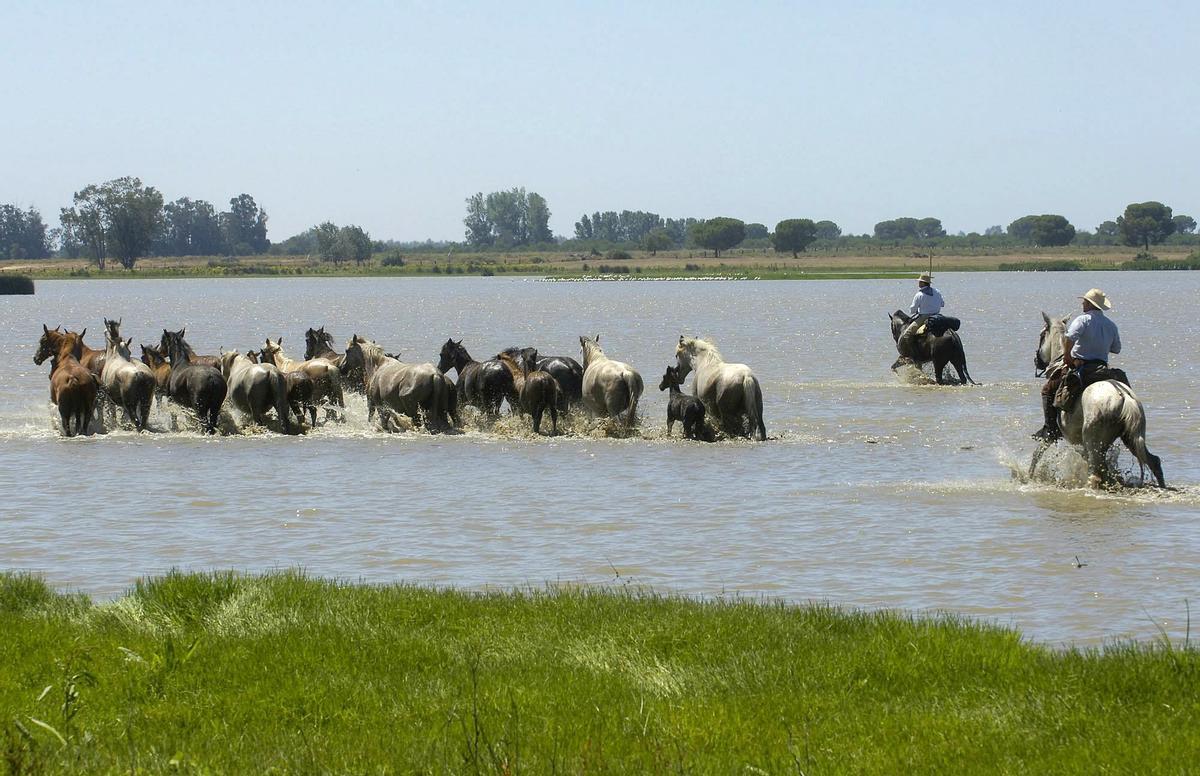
926,303
1088,341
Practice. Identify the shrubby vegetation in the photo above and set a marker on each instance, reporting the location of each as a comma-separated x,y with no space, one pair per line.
16,284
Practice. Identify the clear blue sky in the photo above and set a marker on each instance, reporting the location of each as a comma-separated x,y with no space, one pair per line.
389,115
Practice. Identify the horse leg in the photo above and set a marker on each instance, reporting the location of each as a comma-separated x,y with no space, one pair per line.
553,418
1146,459
1037,456
537,418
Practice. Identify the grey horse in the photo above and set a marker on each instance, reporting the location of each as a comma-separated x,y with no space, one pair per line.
256,389
419,391
1106,411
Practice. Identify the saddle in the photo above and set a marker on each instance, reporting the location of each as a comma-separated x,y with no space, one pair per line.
939,324
1076,380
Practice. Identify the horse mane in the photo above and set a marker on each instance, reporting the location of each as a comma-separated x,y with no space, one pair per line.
703,345
516,367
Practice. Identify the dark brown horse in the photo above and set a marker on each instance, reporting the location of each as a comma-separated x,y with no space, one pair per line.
481,384
164,348
194,384
72,387
537,391
161,367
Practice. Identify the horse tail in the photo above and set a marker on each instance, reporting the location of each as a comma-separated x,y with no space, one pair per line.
1133,434
279,396
752,395
633,384
963,355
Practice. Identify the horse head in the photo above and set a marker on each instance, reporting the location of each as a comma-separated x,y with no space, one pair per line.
271,350
529,359
153,357
692,350
591,349
899,320
671,378
48,345
253,356
1049,347
453,355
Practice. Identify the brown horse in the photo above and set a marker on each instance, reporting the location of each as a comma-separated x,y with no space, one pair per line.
161,367
537,391
72,387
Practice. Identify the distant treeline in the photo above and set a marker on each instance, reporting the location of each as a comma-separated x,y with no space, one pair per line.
123,219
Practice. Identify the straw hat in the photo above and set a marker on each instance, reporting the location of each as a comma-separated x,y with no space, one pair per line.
925,278
1097,298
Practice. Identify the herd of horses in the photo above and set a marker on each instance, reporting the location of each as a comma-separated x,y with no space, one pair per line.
257,384
726,398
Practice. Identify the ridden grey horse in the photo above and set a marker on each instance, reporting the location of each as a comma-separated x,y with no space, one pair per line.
944,349
1106,411
415,390
128,383
609,387
256,389
730,392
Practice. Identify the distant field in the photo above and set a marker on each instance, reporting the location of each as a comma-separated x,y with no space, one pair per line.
683,263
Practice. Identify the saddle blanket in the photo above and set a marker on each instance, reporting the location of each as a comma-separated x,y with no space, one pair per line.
937,325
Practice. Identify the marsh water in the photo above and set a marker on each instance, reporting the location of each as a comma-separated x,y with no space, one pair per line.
875,491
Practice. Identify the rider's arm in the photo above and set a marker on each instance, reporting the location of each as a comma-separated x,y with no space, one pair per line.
1067,344
912,308
1116,343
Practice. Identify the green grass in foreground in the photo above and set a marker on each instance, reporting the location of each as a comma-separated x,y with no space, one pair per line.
219,673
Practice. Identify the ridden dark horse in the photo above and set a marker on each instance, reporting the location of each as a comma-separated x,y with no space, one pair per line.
566,371
481,384
193,384
72,387
942,349
318,343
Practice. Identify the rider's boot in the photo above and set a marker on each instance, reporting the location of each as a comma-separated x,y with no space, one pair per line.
1049,432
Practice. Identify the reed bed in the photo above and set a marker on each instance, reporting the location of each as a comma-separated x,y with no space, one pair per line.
221,673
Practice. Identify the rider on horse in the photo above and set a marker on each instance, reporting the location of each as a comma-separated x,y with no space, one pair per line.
1086,345
926,304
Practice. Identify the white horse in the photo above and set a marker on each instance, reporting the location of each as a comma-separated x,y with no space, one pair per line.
730,392
254,389
609,387
127,383
325,375
396,387
1106,411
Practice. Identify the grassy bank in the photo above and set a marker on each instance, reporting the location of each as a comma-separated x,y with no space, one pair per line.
219,674
671,264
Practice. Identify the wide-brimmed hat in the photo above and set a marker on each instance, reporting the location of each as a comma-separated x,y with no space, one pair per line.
925,277
1097,298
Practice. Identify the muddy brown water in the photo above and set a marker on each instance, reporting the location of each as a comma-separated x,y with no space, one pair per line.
875,491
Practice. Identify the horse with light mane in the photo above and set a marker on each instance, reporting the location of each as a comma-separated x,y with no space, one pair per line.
72,387
255,389
537,390
325,375
1106,411
419,391
730,392
128,383
609,387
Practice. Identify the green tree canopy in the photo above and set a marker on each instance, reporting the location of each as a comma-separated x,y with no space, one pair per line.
245,226
1184,224
794,235
353,242
828,230
22,234
657,240
1146,223
719,234
190,228
1042,230
84,225
757,232
507,219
